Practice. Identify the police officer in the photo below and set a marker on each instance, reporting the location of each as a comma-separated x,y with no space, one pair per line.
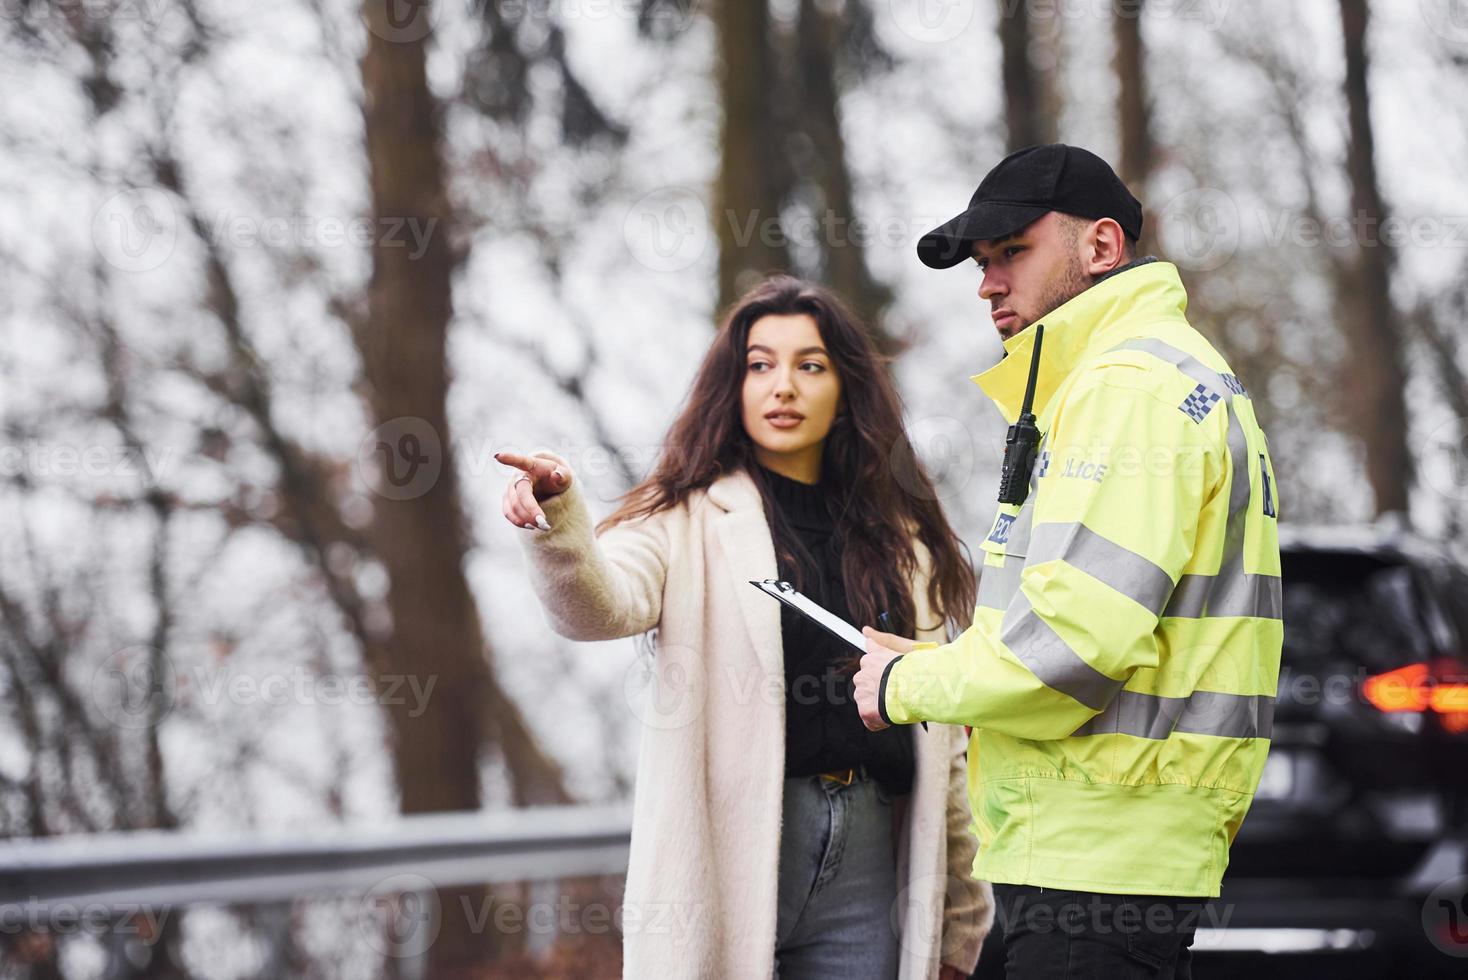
1120,671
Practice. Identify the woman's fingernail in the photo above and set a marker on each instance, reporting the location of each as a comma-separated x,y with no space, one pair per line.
540,522
528,527
560,477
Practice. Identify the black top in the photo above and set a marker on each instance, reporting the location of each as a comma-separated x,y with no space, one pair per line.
823,730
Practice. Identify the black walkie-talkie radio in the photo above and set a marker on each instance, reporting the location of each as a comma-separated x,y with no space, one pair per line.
1023,439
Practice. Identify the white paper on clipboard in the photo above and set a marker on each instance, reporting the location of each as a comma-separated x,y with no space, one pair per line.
818,614
813,611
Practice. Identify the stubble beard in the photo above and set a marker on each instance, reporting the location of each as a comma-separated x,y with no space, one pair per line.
1071,283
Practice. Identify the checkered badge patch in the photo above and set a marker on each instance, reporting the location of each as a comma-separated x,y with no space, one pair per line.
1198,404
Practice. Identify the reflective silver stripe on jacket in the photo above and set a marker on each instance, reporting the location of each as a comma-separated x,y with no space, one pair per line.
1232,592
1051,659
997,585
1235,594
1200,713
1120,569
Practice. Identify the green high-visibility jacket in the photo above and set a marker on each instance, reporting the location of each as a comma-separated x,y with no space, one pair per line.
1121,669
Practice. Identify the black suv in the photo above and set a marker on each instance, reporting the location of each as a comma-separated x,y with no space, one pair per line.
1353,859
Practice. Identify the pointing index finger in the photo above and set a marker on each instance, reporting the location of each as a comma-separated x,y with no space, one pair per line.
534,465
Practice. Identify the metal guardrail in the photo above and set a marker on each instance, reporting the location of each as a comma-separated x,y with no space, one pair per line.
171,868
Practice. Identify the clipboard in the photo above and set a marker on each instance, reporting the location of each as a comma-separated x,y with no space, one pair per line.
814,611
821,616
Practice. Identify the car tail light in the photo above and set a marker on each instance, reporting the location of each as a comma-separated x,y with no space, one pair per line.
1440,687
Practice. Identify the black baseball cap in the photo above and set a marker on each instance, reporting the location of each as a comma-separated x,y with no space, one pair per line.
1023,187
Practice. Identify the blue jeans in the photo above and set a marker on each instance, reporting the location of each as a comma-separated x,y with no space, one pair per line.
838,882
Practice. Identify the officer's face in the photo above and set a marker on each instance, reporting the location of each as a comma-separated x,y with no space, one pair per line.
791,393
1031,272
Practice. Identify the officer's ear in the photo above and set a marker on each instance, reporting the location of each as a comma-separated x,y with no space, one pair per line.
1103,247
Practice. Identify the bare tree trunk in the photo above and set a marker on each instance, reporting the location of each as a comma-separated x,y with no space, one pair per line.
1375,378
420,539
753,181
419,535
843,253
1132,103
1028,115
1134,110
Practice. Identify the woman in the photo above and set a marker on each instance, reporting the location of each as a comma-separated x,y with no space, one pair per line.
770,829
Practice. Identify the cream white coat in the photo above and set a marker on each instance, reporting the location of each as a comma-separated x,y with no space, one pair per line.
701,887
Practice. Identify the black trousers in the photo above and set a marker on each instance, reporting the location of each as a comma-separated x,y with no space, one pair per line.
1054,934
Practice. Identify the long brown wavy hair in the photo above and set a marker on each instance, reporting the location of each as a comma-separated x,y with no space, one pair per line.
879,495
